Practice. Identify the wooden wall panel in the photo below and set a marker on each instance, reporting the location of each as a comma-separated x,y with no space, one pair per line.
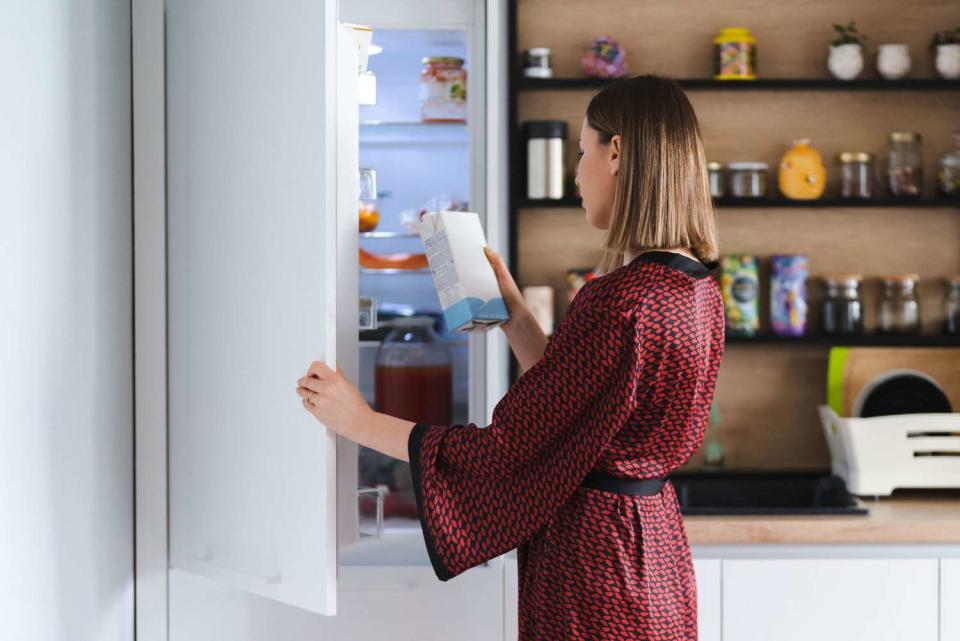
767,393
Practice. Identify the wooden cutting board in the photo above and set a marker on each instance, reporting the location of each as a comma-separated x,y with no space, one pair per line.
851,369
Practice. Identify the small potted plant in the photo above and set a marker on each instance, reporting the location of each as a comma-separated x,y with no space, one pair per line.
946,46
846,52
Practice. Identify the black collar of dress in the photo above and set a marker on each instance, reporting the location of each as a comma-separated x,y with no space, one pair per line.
678,261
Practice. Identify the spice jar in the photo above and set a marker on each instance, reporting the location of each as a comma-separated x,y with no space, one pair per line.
443,90
905,164
951,307
536,63
748,179
414,372
715,173
899,310
948,175
857,175
842,312
735,54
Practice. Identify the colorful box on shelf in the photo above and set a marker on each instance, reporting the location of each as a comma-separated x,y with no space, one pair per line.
464,279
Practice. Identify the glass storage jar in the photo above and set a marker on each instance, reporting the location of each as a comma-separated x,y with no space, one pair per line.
842,306
951,307
443,90
414,372
857,175
748,179
716,174
899,310
948,175
905,164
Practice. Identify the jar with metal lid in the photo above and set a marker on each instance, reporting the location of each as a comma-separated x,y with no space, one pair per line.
735,54
951,307
716,174
748,179
842,306
948,175
905,164
857,175
536,63
443,90
414,372
899,309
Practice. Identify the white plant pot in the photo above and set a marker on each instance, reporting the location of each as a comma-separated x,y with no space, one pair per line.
948,61
893,61
845,62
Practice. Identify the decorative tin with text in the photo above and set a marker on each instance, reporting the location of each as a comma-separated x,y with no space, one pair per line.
788,294
740,283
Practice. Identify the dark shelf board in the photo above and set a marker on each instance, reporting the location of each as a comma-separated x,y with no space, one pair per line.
828,84
776,203
867,340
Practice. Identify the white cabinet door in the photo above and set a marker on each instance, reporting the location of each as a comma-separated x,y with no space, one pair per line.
830,599
950,599
708,598
407,603
253,292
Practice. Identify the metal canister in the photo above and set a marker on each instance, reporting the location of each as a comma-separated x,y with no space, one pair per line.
546,141
715,171
788,294
740,283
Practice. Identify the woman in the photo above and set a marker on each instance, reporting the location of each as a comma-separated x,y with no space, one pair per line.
570,472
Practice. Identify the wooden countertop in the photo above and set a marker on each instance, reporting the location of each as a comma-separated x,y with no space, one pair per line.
907,516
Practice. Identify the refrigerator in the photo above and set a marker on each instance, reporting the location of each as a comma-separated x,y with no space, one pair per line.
265,138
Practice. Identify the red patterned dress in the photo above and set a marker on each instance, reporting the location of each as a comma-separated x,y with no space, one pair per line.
624,387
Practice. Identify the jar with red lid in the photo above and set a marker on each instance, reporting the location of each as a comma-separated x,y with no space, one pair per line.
443,90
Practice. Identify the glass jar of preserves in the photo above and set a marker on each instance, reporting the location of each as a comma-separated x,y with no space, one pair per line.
414,372
443,90
857,175
948,175
842,306
905,164
951,307
899,310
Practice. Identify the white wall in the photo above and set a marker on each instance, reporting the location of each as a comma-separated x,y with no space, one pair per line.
66,478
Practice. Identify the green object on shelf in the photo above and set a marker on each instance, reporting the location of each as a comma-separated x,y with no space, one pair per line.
836,365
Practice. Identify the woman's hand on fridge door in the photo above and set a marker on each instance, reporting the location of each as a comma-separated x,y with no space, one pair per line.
338,404
333,400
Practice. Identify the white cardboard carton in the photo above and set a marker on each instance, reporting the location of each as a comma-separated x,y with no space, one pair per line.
465,281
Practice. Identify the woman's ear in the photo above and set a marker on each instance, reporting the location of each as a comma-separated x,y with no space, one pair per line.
615,152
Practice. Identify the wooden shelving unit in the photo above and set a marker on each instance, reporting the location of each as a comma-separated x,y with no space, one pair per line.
766,203
761,84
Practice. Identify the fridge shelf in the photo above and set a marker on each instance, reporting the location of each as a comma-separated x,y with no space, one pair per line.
413,133
387,234
391,272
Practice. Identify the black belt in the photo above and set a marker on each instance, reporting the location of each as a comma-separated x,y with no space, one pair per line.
610,483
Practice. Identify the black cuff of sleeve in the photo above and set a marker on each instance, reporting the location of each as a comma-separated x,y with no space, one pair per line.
413,452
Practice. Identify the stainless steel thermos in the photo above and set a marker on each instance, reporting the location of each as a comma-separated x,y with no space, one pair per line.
546,143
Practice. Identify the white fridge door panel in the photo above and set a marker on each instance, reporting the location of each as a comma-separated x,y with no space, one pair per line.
252,295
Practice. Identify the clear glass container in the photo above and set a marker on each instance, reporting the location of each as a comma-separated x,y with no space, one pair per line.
414,372
842,306
443,90
951,307
905,164
948,174
899,310
715,172
748,179
857,175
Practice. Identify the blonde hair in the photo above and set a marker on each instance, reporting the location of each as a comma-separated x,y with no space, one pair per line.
662,198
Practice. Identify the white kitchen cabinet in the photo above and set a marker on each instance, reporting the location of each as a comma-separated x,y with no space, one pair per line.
950,599
878,599
708,572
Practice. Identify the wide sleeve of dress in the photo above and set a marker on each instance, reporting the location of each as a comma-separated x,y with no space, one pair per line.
483,490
